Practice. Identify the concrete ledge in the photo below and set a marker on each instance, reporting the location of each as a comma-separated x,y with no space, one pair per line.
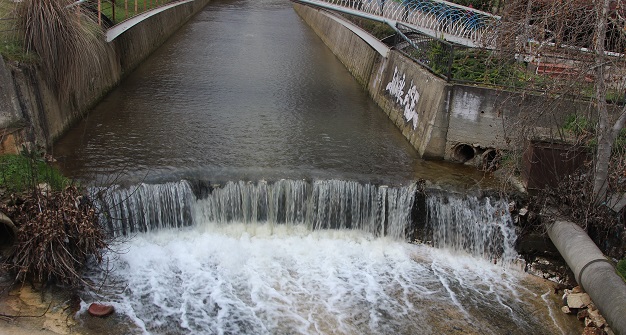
377,45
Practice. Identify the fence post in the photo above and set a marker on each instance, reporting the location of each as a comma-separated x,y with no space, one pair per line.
450,61
113,10
100,12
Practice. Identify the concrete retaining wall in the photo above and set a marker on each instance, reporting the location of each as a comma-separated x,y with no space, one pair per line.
27,99
358,56
439,119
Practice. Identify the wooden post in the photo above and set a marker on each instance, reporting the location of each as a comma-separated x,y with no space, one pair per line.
135,7
125,9
113,10
145,3
100,12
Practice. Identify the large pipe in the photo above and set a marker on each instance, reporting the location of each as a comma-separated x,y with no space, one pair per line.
593,272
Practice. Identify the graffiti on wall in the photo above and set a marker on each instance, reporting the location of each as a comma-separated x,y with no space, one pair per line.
407,100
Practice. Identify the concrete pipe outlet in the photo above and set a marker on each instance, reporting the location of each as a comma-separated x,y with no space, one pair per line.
594,273
463,152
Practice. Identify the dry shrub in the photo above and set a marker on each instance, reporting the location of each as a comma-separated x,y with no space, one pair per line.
57,235
66,39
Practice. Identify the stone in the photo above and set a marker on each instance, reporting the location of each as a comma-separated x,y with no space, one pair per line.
578,300
101,310
608,331
577,289
595,319
44,189
566,310
592,331
582,314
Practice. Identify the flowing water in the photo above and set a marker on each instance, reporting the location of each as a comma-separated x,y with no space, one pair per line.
254,188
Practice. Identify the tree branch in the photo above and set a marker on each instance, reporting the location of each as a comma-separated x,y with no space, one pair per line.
9,316
619,124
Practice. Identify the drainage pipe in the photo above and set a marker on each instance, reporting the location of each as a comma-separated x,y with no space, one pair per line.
593,272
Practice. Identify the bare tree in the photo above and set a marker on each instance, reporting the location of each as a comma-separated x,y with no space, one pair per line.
574,50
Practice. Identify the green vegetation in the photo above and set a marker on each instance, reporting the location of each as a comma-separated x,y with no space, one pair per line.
578,125
584,129
19,173
125,9
10,45
378,29
621,268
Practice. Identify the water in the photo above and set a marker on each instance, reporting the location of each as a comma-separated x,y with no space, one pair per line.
242,279
263,192
245,91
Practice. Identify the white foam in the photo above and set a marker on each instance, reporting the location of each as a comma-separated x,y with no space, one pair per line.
281,279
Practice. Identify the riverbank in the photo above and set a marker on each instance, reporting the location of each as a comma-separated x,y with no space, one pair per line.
32,109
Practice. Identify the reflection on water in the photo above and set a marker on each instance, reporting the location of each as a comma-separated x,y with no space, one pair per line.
245,91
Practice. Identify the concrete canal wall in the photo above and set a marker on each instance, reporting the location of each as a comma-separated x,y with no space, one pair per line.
30,109
440,119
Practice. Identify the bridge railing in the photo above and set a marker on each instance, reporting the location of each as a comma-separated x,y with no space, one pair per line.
111,12
436,16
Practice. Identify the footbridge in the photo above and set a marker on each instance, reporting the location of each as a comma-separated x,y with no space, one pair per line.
436,18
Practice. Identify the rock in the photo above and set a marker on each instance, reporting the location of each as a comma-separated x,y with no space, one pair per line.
578,300
523,211
582,314
595,319
566,310
577,289
592,331
101,310
44,189
608,331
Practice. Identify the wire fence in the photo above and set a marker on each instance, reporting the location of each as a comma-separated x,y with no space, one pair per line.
485,67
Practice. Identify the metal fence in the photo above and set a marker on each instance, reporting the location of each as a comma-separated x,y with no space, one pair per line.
461,64
434,17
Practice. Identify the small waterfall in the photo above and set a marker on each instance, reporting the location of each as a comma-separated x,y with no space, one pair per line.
481,227
321,204
144,207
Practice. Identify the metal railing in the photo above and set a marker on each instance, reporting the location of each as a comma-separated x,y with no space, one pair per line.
111,12
436,18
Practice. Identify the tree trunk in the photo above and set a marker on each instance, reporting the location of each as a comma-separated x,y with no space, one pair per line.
605,144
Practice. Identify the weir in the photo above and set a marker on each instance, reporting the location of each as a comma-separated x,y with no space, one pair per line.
304,226
480,227
316,257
